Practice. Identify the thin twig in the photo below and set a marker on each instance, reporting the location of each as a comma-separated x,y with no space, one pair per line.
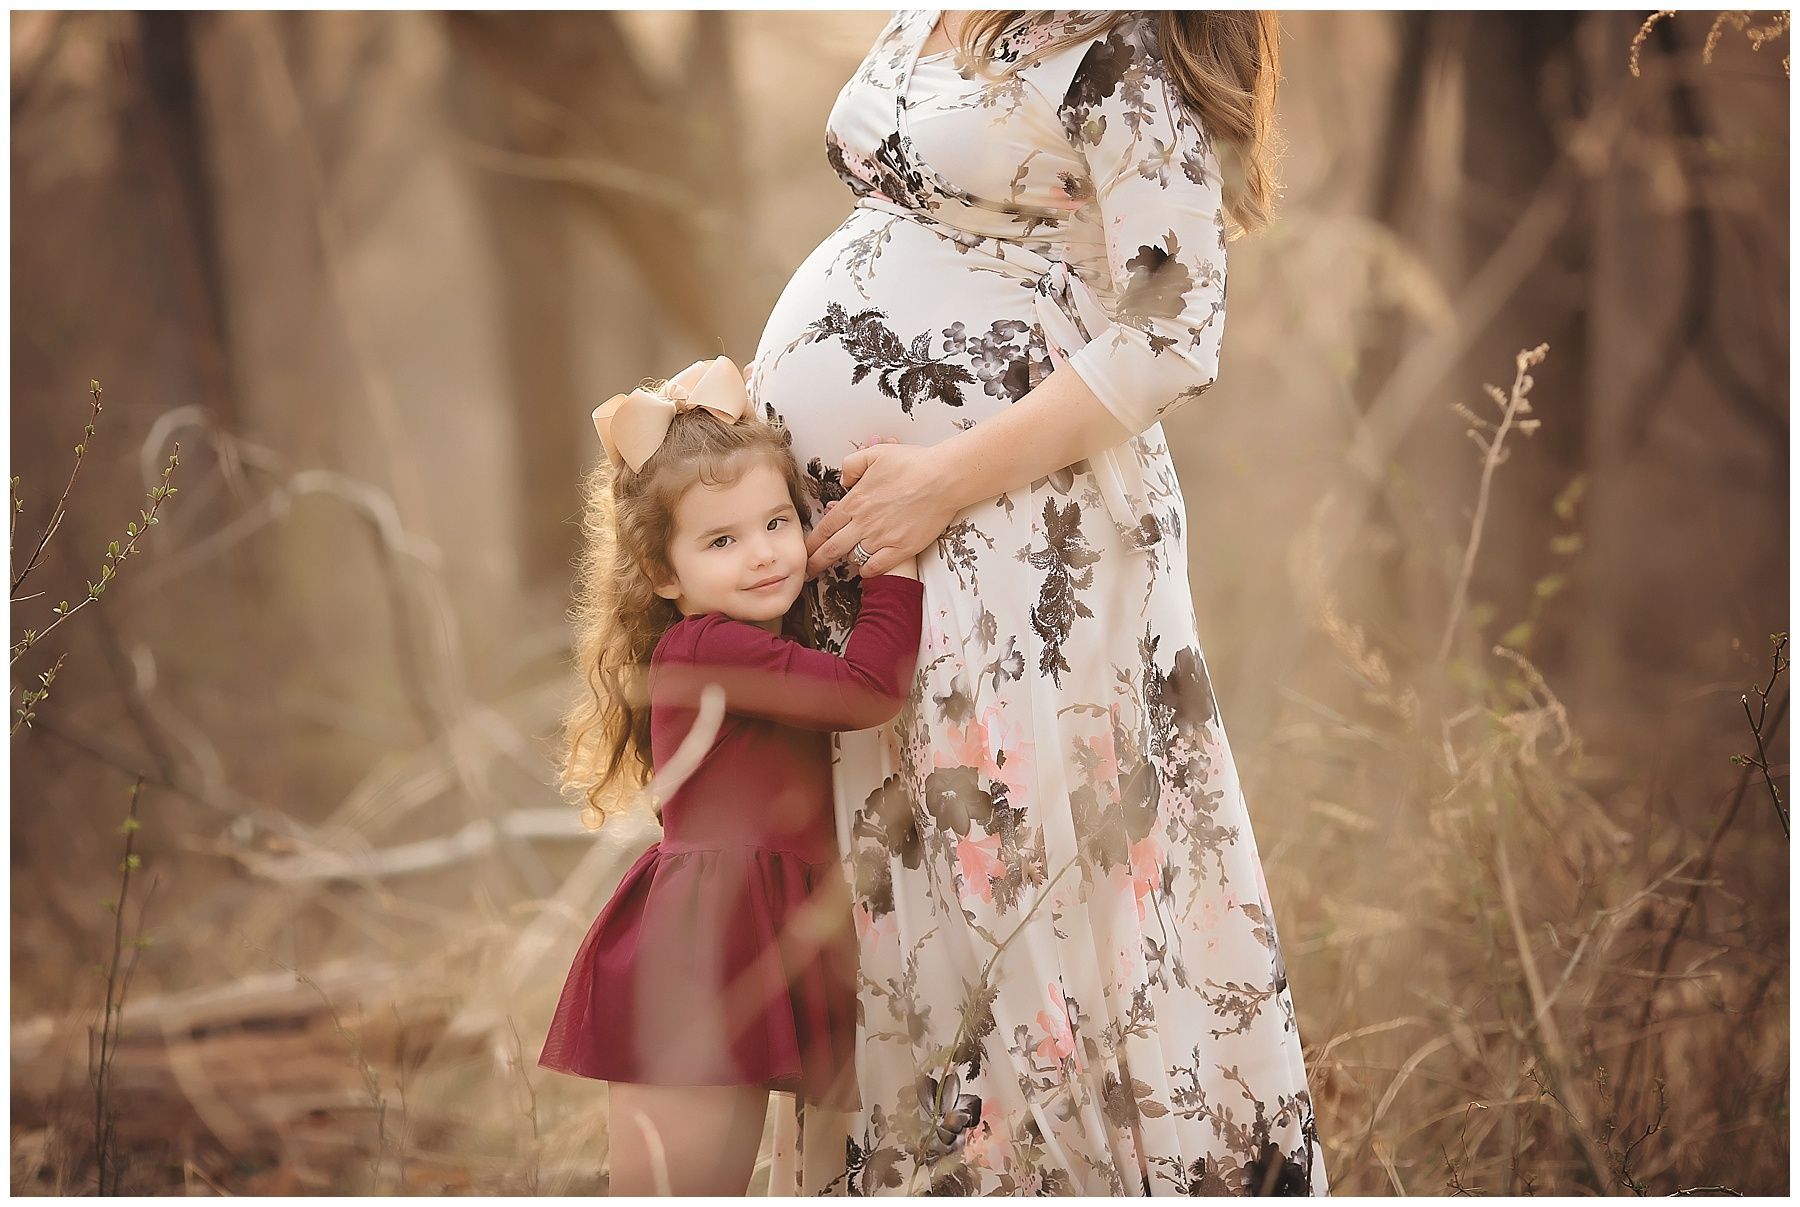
116,556
1494,454
371,1079
1591,1148
62,504
1701,874
1761,761
531,1111
1650,1129
400,1078
31,697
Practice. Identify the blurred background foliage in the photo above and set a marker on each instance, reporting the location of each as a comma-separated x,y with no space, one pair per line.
373,270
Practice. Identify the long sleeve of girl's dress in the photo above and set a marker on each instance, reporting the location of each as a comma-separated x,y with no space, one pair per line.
773,677
1157,185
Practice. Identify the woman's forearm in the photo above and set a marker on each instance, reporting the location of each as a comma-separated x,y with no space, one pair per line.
1057,424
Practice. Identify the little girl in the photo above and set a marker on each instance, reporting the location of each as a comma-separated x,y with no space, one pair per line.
724,965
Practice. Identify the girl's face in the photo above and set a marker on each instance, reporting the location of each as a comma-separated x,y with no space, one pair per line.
738,550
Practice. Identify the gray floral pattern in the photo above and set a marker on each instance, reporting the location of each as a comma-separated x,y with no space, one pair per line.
1071,981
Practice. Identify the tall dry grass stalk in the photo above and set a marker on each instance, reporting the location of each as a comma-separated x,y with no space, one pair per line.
119,968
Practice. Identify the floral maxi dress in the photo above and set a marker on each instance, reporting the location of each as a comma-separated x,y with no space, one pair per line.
1070,979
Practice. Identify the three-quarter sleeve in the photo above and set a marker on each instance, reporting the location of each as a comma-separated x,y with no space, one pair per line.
775,678
1160,201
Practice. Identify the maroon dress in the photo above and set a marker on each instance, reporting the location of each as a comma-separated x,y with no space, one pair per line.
726,955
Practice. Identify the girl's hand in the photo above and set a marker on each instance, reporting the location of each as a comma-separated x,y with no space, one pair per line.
898,503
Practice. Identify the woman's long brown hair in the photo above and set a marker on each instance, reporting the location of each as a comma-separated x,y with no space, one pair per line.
618,616
1224,63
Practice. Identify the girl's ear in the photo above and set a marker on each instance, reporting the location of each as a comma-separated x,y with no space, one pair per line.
666,588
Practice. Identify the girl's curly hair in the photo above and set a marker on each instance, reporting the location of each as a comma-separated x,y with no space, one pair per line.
627,523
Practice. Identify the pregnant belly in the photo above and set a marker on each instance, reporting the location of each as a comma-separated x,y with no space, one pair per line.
890,329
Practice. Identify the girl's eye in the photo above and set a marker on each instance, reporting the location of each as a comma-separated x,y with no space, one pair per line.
716,540
780,519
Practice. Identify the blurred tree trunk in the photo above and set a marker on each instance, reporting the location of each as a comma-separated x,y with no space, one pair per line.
559,108
1386,328
173,141
657,163
1418,197
535,308
1637,252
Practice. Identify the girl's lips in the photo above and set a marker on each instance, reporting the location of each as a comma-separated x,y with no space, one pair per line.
774,582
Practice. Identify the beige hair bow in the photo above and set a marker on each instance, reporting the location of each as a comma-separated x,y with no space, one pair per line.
632,426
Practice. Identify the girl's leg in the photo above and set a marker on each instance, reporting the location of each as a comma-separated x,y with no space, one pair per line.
684,1140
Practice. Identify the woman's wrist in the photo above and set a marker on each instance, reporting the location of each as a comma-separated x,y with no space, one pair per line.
955,480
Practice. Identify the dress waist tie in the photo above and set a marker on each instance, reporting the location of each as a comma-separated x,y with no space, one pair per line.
1069,314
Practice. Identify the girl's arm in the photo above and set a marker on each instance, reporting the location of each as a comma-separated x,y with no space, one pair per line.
772,677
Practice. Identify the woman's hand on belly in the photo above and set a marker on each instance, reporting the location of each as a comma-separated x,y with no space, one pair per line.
900,500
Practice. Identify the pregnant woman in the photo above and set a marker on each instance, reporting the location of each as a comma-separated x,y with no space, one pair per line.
1070,976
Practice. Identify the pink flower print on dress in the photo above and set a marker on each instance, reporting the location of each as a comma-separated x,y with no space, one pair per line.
1106,763
1214,910
979,860
977,744
872,932
1008,736
987,1138
1146,871
864,922
1058,1043
965,746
